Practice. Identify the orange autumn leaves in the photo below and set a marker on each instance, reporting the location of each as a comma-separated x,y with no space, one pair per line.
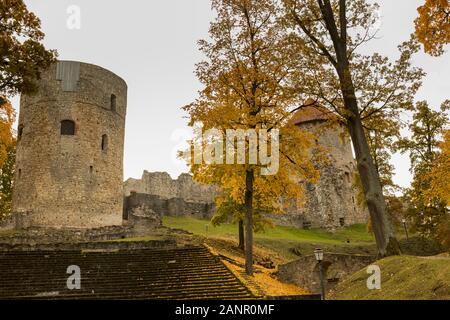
440,173
433,26
7,118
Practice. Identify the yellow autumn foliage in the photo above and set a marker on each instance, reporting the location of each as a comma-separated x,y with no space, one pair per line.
7,118
433,26
246,86
440,173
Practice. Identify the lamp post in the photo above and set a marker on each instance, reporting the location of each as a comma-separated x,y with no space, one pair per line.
406,229
319,257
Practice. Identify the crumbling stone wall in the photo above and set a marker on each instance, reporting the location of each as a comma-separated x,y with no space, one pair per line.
304,272
331,202
162,185
140,205
72,180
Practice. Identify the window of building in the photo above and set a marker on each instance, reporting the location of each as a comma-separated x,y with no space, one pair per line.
20,173
347,177
104,142
67,128
307,225
113,102
19,132
342,221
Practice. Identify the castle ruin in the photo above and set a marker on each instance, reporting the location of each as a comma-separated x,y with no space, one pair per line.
69,165
330,203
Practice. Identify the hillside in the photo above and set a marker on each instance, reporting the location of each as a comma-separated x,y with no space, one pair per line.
281,245
402,278
289,243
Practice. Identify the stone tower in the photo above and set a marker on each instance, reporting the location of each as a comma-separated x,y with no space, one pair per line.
69,165
332,202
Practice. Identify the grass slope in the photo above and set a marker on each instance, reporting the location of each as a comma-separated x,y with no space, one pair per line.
205,228
402,278
354,239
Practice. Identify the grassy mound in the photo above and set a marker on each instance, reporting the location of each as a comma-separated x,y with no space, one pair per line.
402,278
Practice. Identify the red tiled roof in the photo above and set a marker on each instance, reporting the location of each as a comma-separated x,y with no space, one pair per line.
311,112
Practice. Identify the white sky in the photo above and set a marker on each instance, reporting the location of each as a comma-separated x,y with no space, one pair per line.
152,45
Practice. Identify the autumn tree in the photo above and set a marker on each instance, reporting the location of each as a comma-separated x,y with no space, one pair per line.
22,58
246,87
7,119
440,188
433,26
382,134
7,155
440,172
6,181
22,55
355,86
427,201
230,210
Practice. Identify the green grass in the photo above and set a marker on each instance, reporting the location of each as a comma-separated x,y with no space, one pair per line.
353,239
402,278
356,233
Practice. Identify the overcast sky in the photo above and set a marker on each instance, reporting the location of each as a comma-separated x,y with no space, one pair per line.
152,45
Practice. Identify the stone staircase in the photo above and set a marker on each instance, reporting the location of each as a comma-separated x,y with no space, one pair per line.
175,273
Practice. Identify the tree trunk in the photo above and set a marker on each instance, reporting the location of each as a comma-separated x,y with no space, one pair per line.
384,233
249,176
241,234
382,227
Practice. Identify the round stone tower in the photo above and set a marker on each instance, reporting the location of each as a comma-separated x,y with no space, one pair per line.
332,201
69,165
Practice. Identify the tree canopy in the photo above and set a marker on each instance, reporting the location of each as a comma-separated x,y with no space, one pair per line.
428,195
246,87
22,54
433,26
22,58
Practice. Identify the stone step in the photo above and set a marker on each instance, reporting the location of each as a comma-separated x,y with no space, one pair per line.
178,273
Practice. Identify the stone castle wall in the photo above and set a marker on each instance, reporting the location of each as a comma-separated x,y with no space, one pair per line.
65,180
331,202
148,205
162,185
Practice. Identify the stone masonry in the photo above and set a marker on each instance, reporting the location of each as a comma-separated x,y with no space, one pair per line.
330,203
157,193
162,185
69,167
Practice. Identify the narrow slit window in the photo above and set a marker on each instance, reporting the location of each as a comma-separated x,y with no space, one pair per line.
19,132
104,142
67,128
347,177
113,103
